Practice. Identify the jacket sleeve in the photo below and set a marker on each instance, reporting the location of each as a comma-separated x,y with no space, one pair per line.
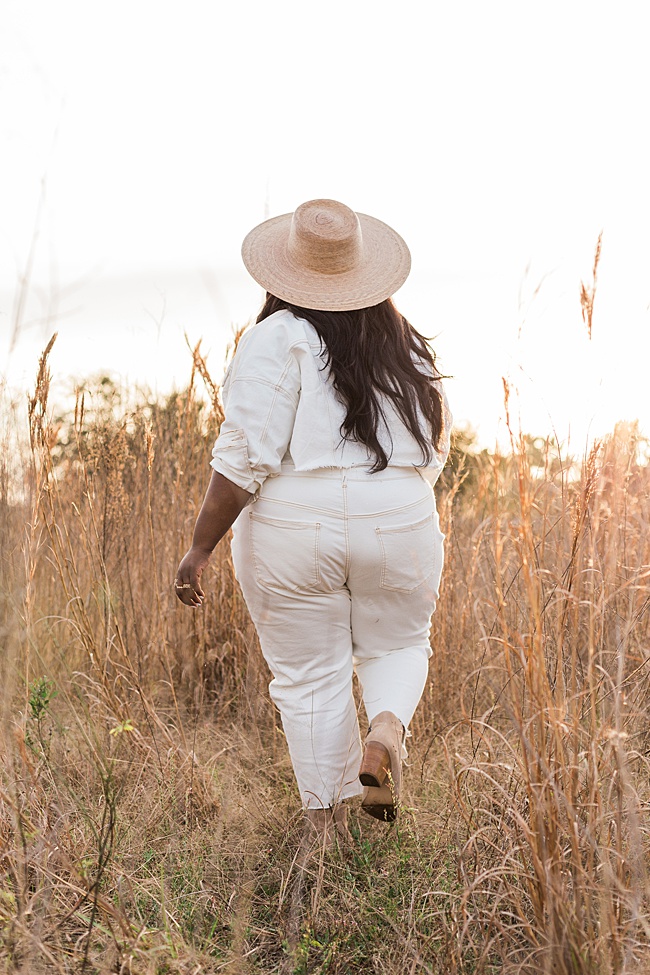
260,396
432,472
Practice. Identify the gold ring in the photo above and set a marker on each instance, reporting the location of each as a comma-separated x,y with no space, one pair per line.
185,585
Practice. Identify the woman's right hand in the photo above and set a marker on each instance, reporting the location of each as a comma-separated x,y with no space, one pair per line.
222,503
187,584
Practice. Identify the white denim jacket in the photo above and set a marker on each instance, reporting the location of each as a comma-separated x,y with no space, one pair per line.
281,407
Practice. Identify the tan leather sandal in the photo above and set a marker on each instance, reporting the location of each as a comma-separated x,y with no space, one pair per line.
340,817
381,767
329,824
320,826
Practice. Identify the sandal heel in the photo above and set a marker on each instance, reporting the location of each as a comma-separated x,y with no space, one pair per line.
381,803
375,765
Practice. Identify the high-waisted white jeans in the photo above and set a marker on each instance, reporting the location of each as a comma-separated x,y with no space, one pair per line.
340,571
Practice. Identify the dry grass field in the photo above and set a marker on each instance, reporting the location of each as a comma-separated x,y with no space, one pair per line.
149,821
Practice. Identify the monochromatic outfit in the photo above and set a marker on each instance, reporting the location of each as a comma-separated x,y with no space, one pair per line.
340,568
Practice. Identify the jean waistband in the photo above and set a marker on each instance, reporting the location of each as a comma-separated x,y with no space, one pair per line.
351,473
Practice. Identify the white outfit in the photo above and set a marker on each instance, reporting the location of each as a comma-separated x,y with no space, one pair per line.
340,568
278,399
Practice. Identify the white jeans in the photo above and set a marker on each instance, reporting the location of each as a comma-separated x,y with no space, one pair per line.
340,571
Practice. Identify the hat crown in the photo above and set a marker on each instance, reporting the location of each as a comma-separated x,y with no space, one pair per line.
325,236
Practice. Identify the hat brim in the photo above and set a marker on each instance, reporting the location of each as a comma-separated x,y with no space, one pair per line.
383,269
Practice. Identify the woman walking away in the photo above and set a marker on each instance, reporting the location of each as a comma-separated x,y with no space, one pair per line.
336,428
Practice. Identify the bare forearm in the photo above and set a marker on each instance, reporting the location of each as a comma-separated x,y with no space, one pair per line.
221,506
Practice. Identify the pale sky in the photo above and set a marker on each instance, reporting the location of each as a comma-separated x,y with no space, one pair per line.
141,141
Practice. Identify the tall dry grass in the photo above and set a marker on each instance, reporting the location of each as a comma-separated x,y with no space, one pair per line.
148,817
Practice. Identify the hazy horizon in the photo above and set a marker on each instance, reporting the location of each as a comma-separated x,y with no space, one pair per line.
499,145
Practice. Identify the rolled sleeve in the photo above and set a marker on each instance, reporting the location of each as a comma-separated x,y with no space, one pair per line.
230,458
433,470
260,397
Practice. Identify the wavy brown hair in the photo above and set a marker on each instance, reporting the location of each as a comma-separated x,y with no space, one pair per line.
370,353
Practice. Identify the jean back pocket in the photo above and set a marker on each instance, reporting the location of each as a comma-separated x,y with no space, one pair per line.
285,553
409,554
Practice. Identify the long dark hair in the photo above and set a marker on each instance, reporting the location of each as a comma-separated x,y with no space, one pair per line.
369,352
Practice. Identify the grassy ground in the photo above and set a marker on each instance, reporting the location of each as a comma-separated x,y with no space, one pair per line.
149,821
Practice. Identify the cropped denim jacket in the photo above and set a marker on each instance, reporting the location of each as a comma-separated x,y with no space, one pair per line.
282,411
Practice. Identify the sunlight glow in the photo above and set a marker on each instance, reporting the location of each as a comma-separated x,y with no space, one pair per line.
141,143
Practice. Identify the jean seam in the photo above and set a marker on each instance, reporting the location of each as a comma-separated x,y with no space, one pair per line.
317,554
346,528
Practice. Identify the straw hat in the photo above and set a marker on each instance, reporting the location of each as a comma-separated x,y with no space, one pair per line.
326,256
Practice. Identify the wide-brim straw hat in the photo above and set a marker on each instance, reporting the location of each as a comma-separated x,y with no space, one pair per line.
326,256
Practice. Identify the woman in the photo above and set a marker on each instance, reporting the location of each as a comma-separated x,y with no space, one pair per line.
336,427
